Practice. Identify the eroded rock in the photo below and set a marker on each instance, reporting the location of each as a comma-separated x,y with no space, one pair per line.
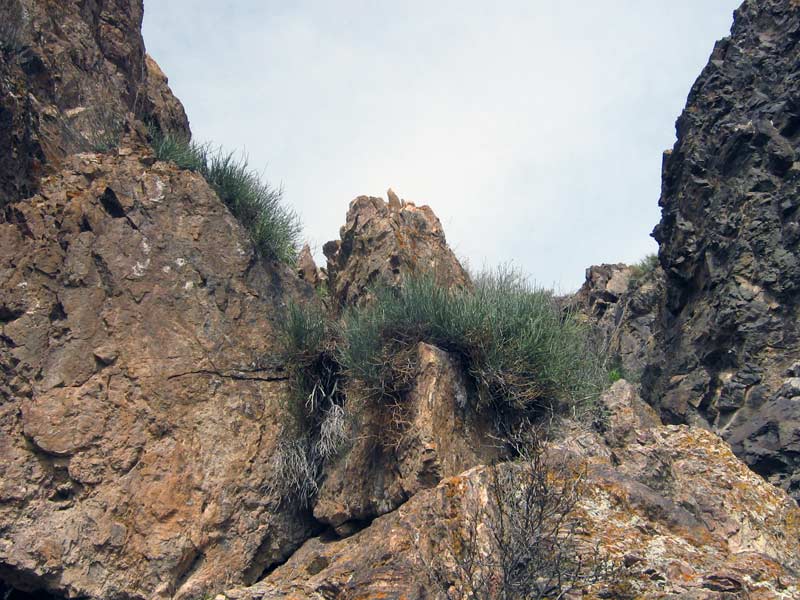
728,328
405,446
140,397
621,306
68,82
672,504
382,242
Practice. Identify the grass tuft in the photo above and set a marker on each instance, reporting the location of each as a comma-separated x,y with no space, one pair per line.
643,269
274,228
518,345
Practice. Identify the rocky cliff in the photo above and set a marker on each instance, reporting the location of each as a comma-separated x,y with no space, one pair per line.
727,345
145,402
71,73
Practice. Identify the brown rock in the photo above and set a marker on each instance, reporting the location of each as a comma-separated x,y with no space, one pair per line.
383,242
672,503
402,449
137,410
621,308
307,269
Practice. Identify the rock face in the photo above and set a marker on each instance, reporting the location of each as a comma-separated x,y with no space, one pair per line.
70,74
671,502
137,410
307,269
404,448
144,400
728,334
382,242
621,304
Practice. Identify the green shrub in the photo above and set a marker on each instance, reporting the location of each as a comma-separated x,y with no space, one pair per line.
273,227
643,269
520,348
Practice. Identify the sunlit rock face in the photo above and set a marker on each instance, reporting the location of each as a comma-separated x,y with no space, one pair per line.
382,242
727,345
145,401
141,392
671,503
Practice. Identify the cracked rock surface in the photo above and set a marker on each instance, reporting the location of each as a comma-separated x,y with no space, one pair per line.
727,330
137,410
70,73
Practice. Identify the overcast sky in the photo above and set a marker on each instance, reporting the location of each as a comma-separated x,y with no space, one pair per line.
533,128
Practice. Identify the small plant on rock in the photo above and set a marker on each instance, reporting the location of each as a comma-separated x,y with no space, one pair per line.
273,227
643,270
523,542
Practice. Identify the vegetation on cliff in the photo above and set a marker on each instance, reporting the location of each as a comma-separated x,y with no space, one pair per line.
521,350
274,228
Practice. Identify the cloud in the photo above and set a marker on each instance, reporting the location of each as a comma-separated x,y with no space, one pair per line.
534,129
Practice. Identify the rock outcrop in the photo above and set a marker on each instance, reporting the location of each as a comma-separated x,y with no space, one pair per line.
139,396
70,74
382,242
405,447
671,504
144,396
728,338
620,304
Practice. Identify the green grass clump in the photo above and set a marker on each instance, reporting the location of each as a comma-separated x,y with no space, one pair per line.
520,348
643,269
273,227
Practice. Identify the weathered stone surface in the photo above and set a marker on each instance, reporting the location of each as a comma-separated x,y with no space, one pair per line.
307,269
403,448
728,327
671,502
73,73
380,243
137,411
621,306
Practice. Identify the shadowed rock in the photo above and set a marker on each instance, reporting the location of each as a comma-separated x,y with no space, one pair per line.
728,332
68,81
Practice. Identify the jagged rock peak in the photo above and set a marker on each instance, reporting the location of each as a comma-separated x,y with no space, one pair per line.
307,269
383,241
729,241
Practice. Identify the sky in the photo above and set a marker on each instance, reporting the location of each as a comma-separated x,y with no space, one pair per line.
533,128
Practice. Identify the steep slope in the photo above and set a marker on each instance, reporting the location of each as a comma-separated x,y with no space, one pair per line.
70,74
727,331
140,397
